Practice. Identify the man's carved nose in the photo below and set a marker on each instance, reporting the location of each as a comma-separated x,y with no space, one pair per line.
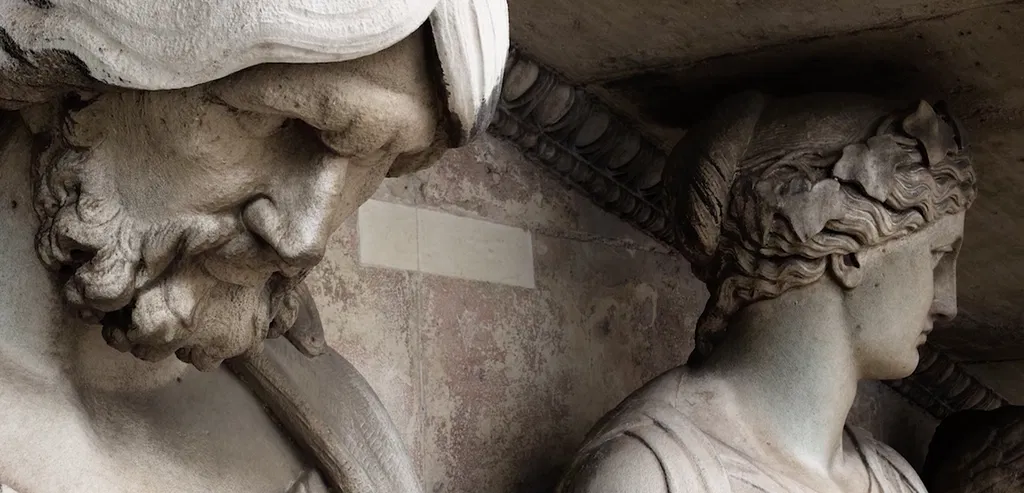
297,230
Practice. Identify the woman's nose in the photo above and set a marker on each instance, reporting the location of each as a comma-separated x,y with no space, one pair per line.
943,307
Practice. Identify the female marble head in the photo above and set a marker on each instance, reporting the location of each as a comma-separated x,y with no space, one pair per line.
770,195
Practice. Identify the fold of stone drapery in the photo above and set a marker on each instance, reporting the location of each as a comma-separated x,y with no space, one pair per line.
341,424
465,32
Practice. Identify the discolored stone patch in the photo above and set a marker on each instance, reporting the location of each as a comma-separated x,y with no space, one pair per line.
513,378
494,386
369,318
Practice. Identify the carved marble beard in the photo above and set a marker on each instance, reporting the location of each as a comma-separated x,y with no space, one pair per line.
197,286
184,220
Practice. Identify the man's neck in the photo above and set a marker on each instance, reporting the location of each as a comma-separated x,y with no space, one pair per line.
29,302
39,340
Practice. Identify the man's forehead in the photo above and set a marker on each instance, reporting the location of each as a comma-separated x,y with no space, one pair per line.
163,45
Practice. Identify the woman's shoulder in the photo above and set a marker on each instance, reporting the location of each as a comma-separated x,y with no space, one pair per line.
623,464
632,463
648,445
886,464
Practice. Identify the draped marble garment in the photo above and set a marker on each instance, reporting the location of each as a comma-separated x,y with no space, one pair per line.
693,461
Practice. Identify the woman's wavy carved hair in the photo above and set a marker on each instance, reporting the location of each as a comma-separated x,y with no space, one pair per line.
765,191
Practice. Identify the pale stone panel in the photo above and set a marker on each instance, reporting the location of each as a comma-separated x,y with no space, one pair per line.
406,238
387,235
475,250
490,180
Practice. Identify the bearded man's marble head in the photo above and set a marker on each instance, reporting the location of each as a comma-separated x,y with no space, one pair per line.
183,199
183,220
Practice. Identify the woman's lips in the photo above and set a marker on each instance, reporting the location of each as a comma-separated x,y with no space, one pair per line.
923,336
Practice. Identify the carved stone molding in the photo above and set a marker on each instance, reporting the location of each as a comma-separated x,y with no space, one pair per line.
566,130
943,387
570,132
977,452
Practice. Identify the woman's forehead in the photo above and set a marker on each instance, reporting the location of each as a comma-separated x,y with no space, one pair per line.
947,230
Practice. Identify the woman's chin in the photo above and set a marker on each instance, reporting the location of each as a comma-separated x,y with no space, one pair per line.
896,368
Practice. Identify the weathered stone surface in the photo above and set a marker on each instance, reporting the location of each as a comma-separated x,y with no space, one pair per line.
370,315
490,180
509,378
514,377
967,59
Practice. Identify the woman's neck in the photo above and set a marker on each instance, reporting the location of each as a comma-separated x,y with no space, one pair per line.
791,368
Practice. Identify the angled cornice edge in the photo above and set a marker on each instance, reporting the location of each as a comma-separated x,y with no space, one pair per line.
570,133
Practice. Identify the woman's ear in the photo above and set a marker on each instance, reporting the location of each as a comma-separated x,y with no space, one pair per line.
846,269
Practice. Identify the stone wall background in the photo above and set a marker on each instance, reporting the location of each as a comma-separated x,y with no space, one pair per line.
499,315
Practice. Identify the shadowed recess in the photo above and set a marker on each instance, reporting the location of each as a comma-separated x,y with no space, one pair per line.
680,98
